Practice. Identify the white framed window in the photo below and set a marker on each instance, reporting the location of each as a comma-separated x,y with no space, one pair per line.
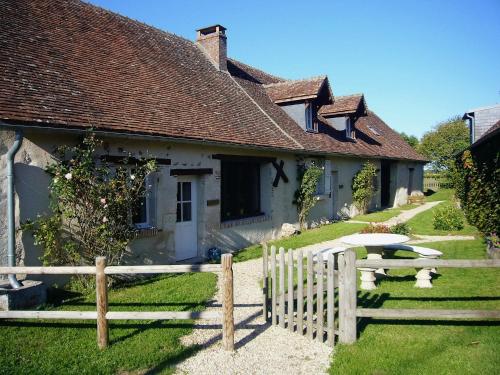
311,125
143,215
348,131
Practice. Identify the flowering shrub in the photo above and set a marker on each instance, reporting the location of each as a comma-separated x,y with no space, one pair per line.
448,217
305,196
401,228
494,239
376,228
92,206
363,187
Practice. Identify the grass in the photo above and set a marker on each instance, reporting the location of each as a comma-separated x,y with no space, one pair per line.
440,195
308,237
422,224
69,347
421,346
378,216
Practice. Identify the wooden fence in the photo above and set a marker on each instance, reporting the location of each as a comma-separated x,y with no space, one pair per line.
432,183
103,315
348,293
299,304
284,289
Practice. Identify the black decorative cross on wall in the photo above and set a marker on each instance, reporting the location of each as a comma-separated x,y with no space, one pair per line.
280,173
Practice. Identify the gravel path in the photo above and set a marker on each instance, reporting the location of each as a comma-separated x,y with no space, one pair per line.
260,347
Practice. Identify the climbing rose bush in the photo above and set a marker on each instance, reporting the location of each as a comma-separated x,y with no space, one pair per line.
92,204
305,196
362,186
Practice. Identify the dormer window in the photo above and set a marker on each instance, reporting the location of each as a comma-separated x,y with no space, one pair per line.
311,125
348,128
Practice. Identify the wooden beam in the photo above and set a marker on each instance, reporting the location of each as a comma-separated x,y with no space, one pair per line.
227,302
129,160
161,315
26,314
424,263
173,268
101,291
427,313
244,158
69,270
190,171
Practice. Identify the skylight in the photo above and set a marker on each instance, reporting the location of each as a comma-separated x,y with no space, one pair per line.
374,130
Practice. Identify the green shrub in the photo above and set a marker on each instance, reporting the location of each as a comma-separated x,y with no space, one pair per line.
401,228
448,218
363,187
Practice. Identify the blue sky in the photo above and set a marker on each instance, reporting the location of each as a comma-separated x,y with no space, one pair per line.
417,61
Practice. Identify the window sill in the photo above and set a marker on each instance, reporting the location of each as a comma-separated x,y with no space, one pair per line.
147,232
245,221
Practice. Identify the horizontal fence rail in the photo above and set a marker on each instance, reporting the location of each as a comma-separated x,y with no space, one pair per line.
102,315
348,292
422,262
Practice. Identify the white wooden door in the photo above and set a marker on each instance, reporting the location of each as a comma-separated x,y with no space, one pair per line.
186,231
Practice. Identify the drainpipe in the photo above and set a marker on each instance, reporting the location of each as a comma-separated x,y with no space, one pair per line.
11,249
472,126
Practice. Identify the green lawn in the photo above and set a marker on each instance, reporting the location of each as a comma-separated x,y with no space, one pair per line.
378,216
422,224
308,237
440,195
428,347
69,347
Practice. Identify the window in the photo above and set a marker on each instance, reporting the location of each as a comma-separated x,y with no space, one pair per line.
184,201
348,131
311,125
240,190
320,187
142,215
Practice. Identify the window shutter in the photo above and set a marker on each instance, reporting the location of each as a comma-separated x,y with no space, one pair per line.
328,176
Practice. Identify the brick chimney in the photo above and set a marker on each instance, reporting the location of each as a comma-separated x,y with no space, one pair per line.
213,41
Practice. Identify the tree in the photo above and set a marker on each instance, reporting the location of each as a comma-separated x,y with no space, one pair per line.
410,139
444,142
92,206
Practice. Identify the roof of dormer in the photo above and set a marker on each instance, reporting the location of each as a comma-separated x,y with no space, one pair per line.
300,90
345,105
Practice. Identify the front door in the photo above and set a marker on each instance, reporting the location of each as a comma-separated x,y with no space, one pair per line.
385,183
186,231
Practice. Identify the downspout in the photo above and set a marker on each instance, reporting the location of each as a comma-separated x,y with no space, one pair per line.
472,127
11,249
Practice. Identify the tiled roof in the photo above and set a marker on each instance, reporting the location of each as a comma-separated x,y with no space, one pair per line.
285,91
343,105
330,141
73,65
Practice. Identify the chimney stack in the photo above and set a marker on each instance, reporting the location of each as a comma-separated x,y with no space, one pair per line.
213,41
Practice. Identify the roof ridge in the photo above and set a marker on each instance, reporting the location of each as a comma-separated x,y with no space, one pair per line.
99,8
257,69
291,81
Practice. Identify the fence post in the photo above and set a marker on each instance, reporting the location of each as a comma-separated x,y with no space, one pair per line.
300,292
274,288
348,297
290,311
320,331
310,296
265,282
330,301
101,303
227,303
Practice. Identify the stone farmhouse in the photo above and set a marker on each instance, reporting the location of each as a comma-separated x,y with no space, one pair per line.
229,138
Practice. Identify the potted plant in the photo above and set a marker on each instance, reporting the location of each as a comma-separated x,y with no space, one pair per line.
493,246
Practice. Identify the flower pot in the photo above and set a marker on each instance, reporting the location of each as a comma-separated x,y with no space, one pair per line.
492,251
